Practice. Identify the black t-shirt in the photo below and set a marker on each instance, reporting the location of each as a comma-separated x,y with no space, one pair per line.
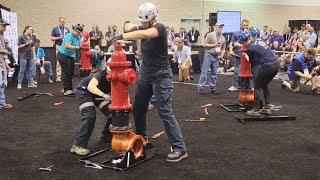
104,85
262,53
155,51
93,43
195,33
26,52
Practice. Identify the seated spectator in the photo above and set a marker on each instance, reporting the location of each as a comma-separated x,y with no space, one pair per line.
183,56
305,41
294,40
13,63
285,58
275,47
300,47
45,66
299,67
277,37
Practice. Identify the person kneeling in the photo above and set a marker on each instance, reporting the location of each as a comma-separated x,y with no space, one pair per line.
182,55
299,67
88,95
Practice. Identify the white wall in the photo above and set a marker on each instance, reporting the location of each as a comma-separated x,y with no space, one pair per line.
43,15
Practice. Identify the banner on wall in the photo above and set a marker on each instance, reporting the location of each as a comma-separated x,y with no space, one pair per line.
11,32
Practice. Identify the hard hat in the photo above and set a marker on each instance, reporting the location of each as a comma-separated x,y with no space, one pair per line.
243,36
147,11
78,27
254,32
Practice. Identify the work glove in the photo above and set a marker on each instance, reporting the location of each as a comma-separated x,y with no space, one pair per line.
106,97
116,38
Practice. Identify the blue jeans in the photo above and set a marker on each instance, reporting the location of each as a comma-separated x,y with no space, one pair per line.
159,84
235,77
25,65
3,84
47,66
209,61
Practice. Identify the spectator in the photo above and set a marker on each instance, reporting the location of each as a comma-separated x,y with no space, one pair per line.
215,45
57,35
183,35
13,63
287,35
95,36
311,37
302,31
193,35
294,40
266,36
25,46
275,47
295,30
183,56
108,36
285,58
114,31
210,29
45,66
276,37
170,37
4,67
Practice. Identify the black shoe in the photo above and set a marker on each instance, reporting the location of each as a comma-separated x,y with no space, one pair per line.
176,156
214,91
191,78
315,91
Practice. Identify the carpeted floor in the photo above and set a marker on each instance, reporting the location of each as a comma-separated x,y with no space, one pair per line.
35,134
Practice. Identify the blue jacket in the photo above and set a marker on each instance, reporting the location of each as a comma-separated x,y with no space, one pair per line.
303,65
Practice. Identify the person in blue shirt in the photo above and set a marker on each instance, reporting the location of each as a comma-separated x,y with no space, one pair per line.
66,57
45,66
299,67
259,52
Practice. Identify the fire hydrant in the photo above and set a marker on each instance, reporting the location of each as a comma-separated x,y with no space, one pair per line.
120,76
85,55
246,95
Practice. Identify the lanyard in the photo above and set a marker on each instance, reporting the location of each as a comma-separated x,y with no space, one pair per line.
64,32
192,34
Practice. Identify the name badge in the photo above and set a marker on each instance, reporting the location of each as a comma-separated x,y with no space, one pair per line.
218,49
192,38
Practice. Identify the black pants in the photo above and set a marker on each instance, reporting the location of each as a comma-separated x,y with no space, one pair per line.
67,67
264,77
87,106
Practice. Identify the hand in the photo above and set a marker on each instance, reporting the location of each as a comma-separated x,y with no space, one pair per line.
5,52
116,38
29,42
310,76
231,52
8,68
217,44
106,97
61,37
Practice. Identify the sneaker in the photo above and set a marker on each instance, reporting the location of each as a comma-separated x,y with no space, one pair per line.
200,90
176,156
253,112
266,110
214,91
58,80
19,86
6,106
68,93
232,88
315,91
32,85
79,150
34,81
191,78
50,80
151,106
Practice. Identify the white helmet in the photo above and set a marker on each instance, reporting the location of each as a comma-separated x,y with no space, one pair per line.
147,11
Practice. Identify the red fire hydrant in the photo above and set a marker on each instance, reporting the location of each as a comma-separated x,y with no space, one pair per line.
246,95
121,77
85,55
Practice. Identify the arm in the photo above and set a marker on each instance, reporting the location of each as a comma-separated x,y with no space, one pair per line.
141,34
92,87
56,38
